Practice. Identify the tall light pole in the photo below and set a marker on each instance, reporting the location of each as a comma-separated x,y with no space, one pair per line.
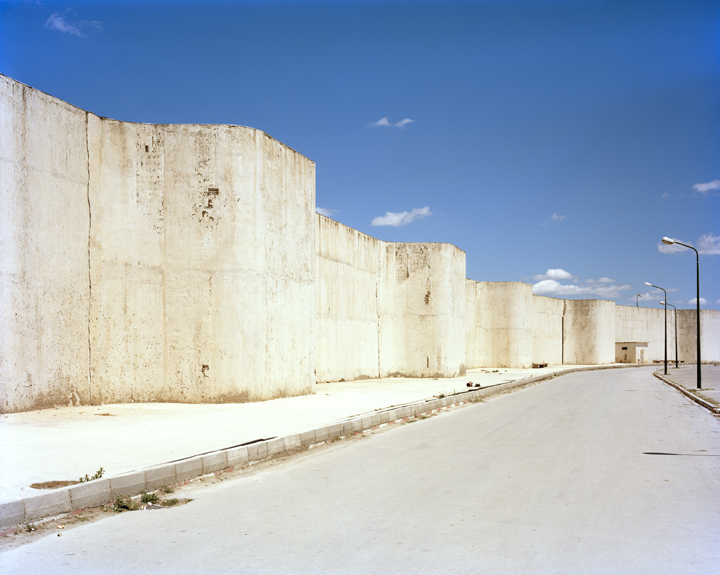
669,242
637,295
658,287
676,342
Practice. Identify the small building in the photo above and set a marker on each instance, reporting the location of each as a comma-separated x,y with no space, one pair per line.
631,352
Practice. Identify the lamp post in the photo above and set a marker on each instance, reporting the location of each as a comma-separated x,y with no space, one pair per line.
658,287
669,242
637,295
676,342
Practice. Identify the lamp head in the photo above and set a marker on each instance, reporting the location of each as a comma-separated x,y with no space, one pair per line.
648,284
662,303
668,241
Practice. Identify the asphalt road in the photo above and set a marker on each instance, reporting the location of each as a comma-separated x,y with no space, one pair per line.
594,472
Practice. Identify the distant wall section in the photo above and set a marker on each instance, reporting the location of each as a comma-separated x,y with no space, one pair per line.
589,332
500,324
387,309
547,330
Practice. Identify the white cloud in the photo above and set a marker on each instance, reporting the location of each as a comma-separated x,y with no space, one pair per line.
709,244
554,274
665,195
703,301
672,248
552,287
707,187
605,280
59,22
385,123
382,123
555,218
325,211
402,218
716,303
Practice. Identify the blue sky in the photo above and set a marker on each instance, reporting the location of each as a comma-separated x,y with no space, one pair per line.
555,142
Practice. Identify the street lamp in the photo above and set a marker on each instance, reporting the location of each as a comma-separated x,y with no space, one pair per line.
676,342
658,287
669,242
637,295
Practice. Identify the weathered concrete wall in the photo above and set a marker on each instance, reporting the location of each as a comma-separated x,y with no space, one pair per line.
647,324
709,335
202,264
589,332
421,305
500,324
150,263
44,293
346,294
387,309
547,330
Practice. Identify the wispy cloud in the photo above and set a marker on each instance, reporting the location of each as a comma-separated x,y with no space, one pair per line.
709,244
325,211
401,218
605,280
707,187
553,287
58,21
665,195
554,274
385,123
554,219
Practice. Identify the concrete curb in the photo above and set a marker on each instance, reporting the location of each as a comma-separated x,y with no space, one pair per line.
699,400
102,491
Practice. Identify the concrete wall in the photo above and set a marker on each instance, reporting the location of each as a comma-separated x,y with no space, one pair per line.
202,264
150,263
348,264
499,324
647,324
709,335
421,306
547,330
186,263
589,332
44,283
387,309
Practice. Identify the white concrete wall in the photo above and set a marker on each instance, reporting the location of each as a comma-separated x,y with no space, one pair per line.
500,326
44,293
589,332
421,305
202,264
547,330
647,324
347,302
186,263
709,335
387,309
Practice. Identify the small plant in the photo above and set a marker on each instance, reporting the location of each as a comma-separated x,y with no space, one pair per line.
98,474
440,396
124,504
170,502
149,498
30,527
168,489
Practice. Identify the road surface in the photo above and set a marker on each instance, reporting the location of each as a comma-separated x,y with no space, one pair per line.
595,472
